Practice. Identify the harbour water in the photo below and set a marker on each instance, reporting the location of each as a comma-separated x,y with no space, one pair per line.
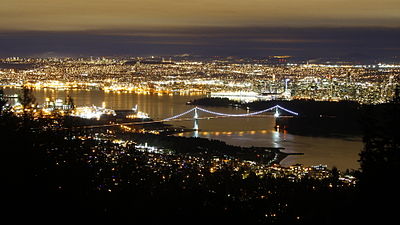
339,152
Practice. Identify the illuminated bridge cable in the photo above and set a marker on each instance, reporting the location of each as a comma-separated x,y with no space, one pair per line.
197,108
287,110
236,115
248,114
232,115
179,115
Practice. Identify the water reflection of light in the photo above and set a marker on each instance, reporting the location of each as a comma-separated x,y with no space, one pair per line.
237,133
276,138
196,133
285,135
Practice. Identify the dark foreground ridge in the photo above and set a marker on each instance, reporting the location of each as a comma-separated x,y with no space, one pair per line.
53,175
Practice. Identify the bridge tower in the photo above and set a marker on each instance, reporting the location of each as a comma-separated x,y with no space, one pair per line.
196,128
276,115
196,125
196,115
196,121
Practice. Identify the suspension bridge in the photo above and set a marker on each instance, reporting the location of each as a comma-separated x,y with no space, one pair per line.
210,115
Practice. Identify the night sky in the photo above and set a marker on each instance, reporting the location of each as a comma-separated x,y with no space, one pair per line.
312,28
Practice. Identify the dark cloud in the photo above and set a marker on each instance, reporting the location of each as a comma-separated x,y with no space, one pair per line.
223,41
72,15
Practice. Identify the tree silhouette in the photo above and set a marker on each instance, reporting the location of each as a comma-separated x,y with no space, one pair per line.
69,101
396,98
27,99
380,155
3,103
380,158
